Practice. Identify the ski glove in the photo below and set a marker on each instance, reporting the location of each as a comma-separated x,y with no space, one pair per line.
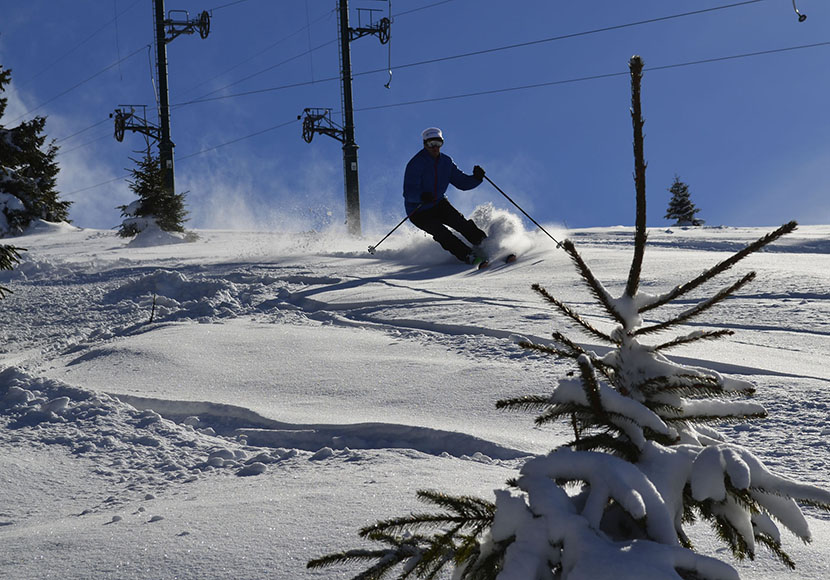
427,197
478,172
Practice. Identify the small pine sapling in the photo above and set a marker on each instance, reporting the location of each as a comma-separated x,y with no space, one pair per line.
155,204
681,209
645,462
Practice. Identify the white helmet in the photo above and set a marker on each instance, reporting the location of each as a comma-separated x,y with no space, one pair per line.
432,133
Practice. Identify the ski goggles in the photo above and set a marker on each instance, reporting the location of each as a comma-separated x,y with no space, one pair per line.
434,143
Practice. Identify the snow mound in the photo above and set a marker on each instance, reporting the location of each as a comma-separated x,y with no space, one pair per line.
38,227
135,448
176,296
152,235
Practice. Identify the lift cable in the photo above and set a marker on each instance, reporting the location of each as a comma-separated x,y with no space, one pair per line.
423,7
188,156
474,53
575,34
76,133
279,64
226,5
238,139
594,77
269,47
530,86
66,53
264,50
73,87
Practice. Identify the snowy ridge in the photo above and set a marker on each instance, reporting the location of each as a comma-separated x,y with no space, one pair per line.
237,422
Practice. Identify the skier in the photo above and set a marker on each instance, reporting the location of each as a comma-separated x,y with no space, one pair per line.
427,176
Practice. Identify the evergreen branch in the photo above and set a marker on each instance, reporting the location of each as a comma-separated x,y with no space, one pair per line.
488,567
714,418
591,387
525,403
801,498
695,336
723,528
469,512
698,308
607,442
594,285
387,559
442,550
683,384
9,256
572,347
774,546
662,409
580,414
465,505
415,521
720,267
573,315
574,351
547,349
636,69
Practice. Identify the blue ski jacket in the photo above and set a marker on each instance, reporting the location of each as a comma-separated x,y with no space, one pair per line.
425,175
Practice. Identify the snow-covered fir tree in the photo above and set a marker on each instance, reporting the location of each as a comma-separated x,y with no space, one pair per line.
9,256
28,173
681,209
646,460
155,206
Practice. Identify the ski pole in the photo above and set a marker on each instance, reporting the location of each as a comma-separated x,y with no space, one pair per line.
373,248
558,243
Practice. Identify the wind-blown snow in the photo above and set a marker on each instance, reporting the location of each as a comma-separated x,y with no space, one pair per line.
236,405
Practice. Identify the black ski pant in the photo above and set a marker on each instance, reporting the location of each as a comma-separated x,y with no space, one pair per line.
435,220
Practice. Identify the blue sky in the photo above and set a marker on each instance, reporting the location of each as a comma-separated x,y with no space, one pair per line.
749,135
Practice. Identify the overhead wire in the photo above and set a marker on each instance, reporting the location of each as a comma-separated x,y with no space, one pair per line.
308,52
492,91
508,89
66,53
473,53
574,35
106,135
597,76
264,50
75,86
214,9
279,64
423,7
76,133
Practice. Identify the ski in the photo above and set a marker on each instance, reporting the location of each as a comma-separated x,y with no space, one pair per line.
485,263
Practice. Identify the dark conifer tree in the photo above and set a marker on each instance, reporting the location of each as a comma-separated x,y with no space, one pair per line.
9,256
154,204
681,209
28,172
646,459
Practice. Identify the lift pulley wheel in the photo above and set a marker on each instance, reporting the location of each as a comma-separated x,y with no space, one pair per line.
204,24
308,129
120,123
383,30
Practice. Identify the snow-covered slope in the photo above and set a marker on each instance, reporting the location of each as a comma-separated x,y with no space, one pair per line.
234,406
